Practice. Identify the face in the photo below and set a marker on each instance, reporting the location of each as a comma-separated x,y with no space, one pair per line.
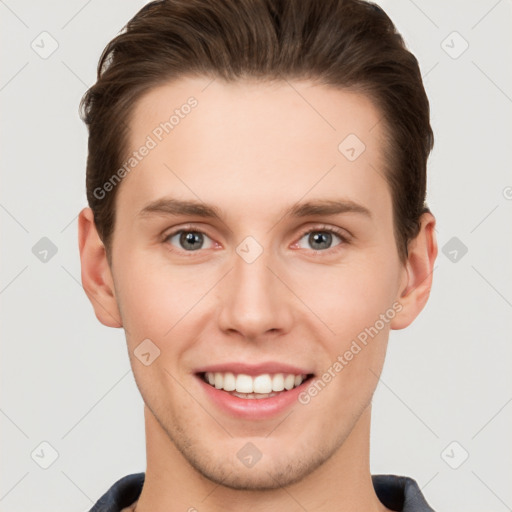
268,285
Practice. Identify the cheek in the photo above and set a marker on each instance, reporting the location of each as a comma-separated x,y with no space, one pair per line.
350,297
150,284
152,297
357,306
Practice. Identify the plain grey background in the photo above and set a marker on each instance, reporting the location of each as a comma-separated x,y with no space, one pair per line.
442,411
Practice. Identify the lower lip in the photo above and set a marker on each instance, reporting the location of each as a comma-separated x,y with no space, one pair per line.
252,408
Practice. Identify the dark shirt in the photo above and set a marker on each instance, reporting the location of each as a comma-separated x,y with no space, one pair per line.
399,493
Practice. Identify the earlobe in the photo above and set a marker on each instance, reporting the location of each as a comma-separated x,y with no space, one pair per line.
415,290
96,274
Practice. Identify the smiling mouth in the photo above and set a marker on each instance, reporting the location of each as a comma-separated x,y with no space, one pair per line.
254,387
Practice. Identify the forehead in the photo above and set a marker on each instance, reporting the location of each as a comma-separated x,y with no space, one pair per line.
280,140
260,108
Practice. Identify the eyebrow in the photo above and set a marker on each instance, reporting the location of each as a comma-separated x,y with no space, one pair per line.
327,207
173,206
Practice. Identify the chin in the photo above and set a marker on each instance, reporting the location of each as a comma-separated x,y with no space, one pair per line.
266,476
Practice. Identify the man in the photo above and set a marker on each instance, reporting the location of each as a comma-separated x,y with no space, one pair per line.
257,226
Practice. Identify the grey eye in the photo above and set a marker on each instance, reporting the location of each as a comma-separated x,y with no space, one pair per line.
189,240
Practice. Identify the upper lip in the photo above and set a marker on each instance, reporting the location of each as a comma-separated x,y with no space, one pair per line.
254,369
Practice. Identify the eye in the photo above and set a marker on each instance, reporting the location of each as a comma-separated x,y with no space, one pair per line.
189,240
321,237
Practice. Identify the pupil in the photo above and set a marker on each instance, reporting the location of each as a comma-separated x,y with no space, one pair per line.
318,237
188,238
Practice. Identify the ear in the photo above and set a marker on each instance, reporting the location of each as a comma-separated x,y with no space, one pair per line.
415,288
97,278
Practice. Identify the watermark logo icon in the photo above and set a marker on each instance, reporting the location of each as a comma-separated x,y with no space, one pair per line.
454,45
44,45
44,250
44,455
455,455
351,147
249,249
454,249
249,455
146,352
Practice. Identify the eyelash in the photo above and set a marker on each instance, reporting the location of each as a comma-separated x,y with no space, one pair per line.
320,229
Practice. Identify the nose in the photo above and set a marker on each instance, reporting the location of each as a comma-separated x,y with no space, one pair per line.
255,301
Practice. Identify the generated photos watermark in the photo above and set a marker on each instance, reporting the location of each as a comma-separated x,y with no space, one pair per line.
344,359
152,140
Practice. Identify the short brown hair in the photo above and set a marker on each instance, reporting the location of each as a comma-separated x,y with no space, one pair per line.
348,44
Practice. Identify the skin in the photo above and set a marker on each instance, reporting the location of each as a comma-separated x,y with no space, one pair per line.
253,150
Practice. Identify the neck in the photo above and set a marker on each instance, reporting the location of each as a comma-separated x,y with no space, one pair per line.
342,483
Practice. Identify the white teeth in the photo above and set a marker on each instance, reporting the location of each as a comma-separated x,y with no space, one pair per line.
260,386
244,383
289,382
229,382
278,382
